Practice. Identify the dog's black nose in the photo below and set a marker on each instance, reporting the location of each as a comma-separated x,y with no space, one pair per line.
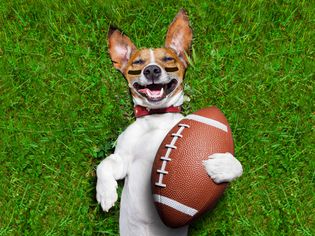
152,72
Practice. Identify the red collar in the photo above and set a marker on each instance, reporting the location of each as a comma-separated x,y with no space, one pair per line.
144,111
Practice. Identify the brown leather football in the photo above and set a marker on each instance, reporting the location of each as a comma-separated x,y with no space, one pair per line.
182,189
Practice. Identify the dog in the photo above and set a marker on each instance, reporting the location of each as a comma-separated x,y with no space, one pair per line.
155,79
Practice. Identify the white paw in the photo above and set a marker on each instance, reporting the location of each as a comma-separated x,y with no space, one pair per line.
223,167
106,193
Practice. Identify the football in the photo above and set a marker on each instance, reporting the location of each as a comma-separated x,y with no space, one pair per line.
182,190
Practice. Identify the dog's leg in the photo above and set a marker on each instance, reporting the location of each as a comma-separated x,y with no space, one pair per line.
108,171
223,167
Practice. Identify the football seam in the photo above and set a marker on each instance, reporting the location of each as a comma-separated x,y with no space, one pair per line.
166,158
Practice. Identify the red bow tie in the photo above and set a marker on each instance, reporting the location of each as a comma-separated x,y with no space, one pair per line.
144,111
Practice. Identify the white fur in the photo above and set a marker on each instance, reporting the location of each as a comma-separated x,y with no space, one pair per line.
132,160
152,57
223,167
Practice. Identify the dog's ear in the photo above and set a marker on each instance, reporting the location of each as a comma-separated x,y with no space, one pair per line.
179,36
120,48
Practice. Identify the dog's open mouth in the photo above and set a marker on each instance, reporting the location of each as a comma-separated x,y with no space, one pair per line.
156,92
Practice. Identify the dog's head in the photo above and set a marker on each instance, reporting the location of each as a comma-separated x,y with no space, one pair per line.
155,76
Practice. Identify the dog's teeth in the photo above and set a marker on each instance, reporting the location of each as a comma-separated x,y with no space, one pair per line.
153,93
161,91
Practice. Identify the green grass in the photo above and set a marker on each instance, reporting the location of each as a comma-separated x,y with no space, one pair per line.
62,106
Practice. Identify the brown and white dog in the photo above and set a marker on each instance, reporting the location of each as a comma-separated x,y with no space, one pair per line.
155,78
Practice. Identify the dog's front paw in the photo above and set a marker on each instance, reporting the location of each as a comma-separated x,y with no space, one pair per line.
106,193
223,167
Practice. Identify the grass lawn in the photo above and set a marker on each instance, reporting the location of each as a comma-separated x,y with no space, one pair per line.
62,106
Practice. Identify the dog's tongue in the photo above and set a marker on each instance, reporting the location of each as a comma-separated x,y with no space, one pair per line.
152,93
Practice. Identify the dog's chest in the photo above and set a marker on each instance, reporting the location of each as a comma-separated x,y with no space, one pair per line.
153,131
148,134
147,146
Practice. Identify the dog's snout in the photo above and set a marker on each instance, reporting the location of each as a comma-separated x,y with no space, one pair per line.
152,72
